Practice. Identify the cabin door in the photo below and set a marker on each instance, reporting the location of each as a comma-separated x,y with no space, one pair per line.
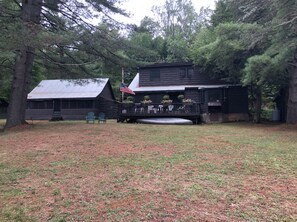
57,105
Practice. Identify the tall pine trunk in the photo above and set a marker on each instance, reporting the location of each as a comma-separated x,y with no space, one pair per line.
292,101
30,14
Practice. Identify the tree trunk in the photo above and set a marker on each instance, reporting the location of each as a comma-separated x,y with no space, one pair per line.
16,112
31,10
292,100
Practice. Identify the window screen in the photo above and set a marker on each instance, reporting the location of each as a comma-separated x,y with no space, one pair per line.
190,72
182,73
215,95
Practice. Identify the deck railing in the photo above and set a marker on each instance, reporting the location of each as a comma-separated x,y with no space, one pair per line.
159,109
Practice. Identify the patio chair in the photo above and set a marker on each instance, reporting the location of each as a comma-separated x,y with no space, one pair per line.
102,118
90,117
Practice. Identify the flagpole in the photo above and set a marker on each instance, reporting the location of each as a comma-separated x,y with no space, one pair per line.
123,78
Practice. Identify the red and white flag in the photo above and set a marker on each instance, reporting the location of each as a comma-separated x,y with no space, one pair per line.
125,89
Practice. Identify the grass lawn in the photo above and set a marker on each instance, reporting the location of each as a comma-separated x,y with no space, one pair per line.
73,171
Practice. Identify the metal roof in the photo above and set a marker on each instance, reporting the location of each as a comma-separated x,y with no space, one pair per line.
136,88
68,89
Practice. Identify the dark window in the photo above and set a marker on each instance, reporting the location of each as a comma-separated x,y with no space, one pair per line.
201,97
49,104
182,73
215,95
190,72
80,104
186,72
73,104
155,75
65,104
77,104
89,104
40,104
37,105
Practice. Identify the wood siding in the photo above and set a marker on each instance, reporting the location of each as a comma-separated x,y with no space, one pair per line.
170,76
237,100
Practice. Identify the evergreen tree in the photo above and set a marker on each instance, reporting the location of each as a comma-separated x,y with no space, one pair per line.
55,31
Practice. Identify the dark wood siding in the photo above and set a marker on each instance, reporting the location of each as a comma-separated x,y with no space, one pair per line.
106,102
170,76
237,99
109,107
107,92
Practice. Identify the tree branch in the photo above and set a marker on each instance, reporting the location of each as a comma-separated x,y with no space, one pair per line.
287,22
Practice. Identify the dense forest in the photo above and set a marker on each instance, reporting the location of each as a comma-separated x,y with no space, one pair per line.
249,42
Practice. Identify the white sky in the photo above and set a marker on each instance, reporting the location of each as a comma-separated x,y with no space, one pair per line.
141,8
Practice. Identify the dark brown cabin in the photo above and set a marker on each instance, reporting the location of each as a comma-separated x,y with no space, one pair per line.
71,99
212,100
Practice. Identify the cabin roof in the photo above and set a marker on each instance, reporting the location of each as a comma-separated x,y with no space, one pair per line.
68,89
136,88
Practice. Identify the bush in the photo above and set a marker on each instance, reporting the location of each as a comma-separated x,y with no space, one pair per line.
130,98
166,97
146,97
180,97
266,114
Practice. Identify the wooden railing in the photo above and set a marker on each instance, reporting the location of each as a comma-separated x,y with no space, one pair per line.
158,109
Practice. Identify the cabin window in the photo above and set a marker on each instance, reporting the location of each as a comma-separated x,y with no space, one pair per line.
215,95
49,104
37,105
73,104
182,72
190,72
155,75
77,104
186,72
65,104
85,104
201,96
89,104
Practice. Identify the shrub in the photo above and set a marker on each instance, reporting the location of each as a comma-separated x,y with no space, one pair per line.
180,97
166,97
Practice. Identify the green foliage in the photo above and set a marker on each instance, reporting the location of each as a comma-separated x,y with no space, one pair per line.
178,50
223,52
254,43
257,70
166,97
222,13
180,97
130,98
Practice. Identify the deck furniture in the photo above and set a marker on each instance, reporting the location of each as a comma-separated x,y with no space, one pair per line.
90,117
102,118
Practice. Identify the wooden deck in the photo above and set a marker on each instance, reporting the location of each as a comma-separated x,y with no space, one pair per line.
132,112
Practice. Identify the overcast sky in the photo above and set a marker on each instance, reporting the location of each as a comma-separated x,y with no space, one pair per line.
141,8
